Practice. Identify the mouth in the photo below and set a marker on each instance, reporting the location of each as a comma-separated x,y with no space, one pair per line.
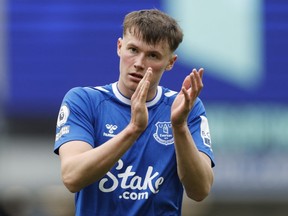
136,77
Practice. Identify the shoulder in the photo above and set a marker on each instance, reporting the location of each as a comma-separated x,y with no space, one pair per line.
168,95
198,106
82,94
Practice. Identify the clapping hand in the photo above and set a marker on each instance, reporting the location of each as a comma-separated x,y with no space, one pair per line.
184,102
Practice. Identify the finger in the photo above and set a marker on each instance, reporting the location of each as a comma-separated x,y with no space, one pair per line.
147,76
187,82
185,93
201,72
146,81
196,80
193,91
193,81
143,86
143,92
199,79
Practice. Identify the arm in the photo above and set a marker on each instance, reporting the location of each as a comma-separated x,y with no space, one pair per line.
82,165
194,167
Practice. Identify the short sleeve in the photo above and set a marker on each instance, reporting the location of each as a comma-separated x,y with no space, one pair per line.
199,128
75,119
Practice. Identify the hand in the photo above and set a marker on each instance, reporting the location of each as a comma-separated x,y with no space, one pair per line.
184,102
139,112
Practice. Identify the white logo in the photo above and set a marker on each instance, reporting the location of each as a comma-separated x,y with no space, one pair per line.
111,128
205,132
63,115
163,133
64,130
129,180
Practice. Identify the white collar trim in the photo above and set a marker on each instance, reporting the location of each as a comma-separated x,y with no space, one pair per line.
128,101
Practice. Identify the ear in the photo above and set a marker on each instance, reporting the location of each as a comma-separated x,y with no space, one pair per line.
119,45
171,62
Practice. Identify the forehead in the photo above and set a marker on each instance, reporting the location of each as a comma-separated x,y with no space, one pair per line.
136,40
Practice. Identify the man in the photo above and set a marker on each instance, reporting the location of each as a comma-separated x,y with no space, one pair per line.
129,148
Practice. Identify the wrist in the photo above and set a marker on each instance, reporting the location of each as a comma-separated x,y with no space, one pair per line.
133,130
180,127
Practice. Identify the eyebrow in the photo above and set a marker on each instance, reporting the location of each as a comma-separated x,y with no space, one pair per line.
149,51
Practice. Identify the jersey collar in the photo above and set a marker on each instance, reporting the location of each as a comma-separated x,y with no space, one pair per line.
127,101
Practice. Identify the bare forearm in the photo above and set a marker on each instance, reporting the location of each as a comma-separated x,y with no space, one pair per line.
194,169
80,170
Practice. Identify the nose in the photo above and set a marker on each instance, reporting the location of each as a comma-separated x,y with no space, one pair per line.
139,62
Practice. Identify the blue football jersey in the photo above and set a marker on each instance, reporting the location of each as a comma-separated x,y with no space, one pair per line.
144,181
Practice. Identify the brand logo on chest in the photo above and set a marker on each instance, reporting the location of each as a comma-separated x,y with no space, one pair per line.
135,187
110,128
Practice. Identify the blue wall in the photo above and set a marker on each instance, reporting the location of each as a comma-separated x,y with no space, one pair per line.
56,45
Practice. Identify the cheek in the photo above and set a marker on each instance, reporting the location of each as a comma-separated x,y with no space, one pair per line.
158,69
126,61
157,73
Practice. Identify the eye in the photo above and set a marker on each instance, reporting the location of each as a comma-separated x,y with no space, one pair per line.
132,49
154,55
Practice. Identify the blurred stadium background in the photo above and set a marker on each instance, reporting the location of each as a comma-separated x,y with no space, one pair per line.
49,46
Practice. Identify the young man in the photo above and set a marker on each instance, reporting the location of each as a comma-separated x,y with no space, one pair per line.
129,148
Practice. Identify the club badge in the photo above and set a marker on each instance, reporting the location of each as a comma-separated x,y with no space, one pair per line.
163,134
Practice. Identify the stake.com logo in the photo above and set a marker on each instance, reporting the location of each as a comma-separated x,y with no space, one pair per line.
128,180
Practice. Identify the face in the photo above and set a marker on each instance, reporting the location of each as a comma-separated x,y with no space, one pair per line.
135,58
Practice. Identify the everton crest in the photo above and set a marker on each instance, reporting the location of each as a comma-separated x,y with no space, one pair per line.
163,133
